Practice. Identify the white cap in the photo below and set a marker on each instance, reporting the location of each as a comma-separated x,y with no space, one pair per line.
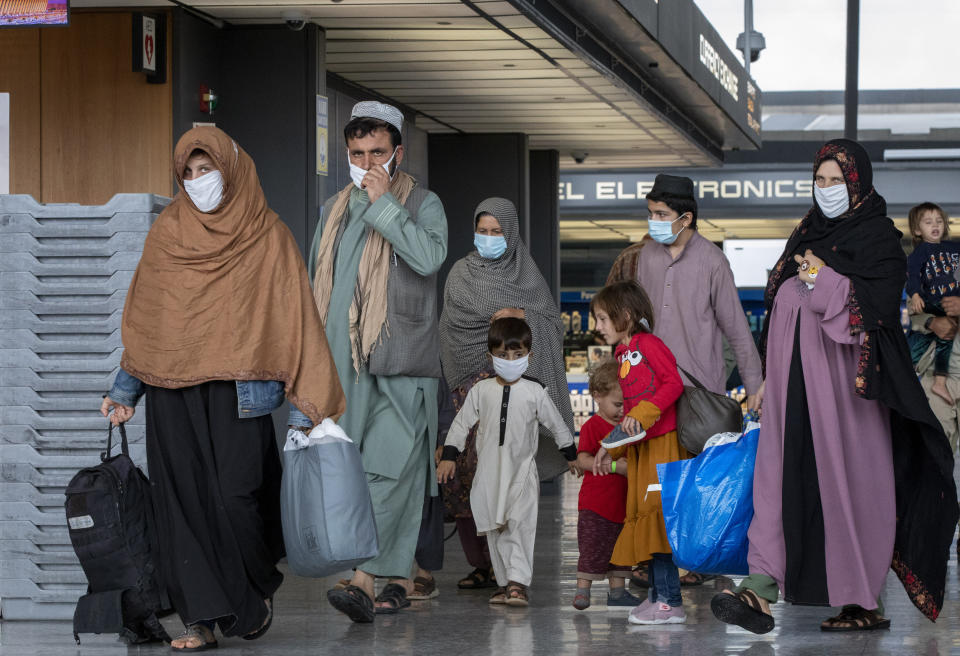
378,110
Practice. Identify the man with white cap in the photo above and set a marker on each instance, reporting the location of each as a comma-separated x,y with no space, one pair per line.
373,262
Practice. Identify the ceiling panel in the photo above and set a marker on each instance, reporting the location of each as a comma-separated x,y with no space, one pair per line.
447,61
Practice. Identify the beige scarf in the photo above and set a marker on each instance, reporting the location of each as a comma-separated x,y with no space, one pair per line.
368,310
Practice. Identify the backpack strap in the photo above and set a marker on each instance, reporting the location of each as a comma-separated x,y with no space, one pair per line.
124,447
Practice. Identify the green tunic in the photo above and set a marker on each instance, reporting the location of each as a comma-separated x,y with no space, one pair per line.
393,419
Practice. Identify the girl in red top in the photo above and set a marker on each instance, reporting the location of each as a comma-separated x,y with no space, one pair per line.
603,499
651,386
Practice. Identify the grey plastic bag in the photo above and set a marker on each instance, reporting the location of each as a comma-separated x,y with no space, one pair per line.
328,521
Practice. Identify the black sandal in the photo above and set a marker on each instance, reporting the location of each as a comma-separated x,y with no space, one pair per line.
393,594
266,623
352,602
640,577
693,579
855,618
742,609
478,578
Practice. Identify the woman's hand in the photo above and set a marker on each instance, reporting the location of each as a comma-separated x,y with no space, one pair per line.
445,471
808,266
121,413
951,305
516,313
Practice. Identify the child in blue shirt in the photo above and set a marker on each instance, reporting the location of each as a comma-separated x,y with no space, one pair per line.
932,274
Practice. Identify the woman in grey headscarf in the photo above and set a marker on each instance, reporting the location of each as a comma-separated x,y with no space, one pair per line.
498,279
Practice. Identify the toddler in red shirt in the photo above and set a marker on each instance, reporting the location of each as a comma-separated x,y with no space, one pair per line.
603,499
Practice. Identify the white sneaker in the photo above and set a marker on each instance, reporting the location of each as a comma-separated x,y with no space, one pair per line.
657,613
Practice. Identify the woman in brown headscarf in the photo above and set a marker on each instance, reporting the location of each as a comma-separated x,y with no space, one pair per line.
219,322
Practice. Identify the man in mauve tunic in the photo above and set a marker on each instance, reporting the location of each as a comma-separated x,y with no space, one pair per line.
690,285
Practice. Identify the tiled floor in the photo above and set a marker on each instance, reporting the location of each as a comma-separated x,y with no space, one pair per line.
461,622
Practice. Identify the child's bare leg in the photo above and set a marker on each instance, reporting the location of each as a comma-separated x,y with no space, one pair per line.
939,388
584,584
617,582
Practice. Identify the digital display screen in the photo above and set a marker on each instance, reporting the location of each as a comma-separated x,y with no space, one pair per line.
34,12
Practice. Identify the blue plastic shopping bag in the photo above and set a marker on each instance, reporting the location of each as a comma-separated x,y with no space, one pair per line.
708,505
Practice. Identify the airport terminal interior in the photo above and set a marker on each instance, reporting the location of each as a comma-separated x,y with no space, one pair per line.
568,108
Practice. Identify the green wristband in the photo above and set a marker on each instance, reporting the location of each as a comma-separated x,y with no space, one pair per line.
613,466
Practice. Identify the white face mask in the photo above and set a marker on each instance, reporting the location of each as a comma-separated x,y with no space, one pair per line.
206,192
833,201
511,370
357,173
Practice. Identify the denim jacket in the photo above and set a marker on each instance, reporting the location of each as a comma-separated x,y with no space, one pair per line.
255,398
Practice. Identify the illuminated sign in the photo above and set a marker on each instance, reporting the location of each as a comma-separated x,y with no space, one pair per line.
734,191
747,187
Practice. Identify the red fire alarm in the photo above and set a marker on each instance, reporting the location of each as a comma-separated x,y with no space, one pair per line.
208,100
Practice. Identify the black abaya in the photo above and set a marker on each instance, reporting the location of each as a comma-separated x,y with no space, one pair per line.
216,492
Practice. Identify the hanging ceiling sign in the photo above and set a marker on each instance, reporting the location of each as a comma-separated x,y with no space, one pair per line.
740,189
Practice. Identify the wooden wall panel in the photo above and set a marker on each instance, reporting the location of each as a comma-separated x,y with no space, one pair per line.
105,129
20,77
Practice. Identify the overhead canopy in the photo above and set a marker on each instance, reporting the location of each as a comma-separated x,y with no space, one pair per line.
486,66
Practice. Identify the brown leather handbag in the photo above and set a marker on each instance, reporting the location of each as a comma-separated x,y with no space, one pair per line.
701,414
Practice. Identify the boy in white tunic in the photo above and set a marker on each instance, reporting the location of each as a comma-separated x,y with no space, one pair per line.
506,488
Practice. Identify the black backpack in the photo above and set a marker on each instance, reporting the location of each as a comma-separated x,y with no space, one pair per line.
110,519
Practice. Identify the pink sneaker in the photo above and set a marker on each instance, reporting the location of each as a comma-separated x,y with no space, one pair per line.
657,613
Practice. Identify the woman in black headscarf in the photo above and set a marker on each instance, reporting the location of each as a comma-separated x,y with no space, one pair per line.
854,474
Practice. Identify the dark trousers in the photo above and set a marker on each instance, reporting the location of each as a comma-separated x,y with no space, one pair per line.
429,554
474,546
920,342
215,480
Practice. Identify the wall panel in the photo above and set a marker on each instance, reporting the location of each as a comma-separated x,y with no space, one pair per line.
20,77
105,129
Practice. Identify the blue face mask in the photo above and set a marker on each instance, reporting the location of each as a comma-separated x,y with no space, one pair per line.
490,246
662,231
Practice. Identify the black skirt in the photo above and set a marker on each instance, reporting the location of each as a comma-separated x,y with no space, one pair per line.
215,480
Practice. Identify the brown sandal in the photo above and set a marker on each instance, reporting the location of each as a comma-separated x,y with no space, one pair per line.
517,594
855,618
499,597
742,609
424,588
